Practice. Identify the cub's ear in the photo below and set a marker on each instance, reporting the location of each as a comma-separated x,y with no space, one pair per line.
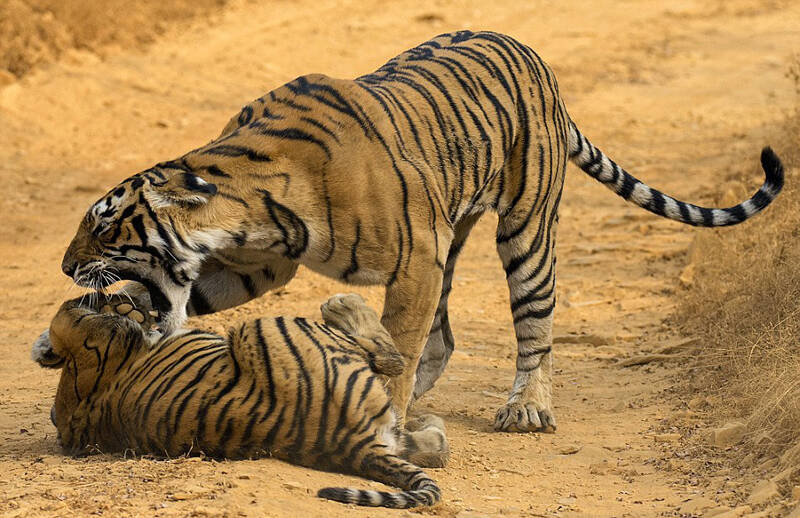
181,189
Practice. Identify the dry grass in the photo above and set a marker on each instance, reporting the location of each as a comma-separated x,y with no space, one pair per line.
746,305
40,31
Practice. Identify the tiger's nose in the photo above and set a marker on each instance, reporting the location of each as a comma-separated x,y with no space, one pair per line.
69,267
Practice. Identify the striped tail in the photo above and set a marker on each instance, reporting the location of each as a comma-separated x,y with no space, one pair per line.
418,488
603,169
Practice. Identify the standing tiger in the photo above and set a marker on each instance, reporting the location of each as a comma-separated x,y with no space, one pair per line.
378,181
297,390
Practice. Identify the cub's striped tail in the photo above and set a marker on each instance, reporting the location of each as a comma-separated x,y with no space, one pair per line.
418,488
603,169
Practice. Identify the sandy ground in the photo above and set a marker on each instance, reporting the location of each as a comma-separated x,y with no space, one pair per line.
681,95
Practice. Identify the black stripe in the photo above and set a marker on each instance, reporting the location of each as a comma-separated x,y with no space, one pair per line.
232,150
353,268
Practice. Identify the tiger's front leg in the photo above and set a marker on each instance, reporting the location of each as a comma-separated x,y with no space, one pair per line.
408,312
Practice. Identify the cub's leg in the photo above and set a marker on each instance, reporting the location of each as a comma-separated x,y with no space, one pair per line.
379,456
383,465
351,314
424,443
408,311
526,243
440,340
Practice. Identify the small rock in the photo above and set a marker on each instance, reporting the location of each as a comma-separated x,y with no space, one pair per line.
591,339
183,496
569,449
728,435
796,493
765,491
696,504
294,486
667,437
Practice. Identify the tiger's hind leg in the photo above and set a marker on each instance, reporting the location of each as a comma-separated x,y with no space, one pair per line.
526,235
440,342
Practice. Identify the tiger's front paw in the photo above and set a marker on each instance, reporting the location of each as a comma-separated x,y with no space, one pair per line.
525,417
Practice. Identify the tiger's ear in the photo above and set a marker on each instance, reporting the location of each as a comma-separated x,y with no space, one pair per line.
181,189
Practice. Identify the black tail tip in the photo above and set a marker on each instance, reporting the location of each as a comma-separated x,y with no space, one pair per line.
773,167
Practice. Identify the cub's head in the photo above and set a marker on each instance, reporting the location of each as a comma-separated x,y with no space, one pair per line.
146,229
91,343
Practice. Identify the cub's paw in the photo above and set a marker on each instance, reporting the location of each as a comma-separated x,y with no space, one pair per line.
524,417
426,440
425,421
119,305
348,312
42,352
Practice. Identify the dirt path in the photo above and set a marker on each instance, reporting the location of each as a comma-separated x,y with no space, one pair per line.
679,95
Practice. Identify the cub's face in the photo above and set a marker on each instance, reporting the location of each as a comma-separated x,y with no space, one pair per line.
90,347
138,231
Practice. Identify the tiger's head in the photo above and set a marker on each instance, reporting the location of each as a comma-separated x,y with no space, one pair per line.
149,229
91,339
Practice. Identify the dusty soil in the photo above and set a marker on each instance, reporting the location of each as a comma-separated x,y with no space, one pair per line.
681,95
37,32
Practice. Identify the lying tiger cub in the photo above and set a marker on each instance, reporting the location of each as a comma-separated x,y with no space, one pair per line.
301,391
